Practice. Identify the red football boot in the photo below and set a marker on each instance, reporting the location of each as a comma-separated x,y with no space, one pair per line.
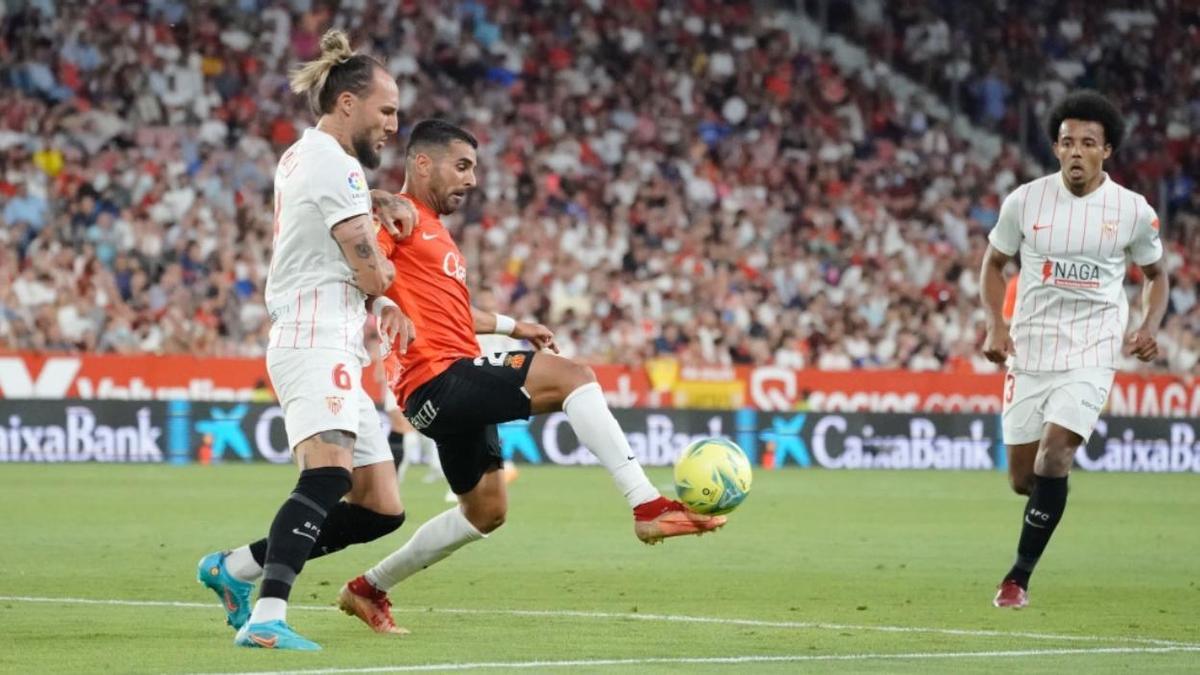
661,518
1010,594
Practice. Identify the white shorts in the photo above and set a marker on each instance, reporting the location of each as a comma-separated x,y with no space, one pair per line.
321,390
1072,399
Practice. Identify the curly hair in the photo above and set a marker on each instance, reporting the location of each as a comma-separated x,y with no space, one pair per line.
1090,106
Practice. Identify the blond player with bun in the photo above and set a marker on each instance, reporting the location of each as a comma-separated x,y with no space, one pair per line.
325,272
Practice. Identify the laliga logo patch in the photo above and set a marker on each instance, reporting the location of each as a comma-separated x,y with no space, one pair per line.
356,181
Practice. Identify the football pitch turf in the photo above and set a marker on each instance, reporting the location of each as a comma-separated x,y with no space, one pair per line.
819,571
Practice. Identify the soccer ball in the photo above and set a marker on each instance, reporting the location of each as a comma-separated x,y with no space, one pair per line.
712,476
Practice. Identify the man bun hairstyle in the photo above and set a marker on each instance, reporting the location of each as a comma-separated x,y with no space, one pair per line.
338,69
436,133
1089,106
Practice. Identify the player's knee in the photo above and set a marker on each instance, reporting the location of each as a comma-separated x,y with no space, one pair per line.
1021,483
373,525
487,517
578,375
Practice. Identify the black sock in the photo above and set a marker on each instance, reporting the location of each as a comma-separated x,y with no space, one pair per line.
396,443
1042,513
346,524
297,526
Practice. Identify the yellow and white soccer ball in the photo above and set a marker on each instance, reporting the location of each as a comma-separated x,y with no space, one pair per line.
712,476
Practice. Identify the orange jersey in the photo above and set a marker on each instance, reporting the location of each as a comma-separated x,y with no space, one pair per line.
431,289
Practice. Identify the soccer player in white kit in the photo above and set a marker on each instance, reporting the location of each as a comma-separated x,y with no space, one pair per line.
324,268
1076,232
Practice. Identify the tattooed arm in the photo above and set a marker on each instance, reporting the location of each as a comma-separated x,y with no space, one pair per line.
372,272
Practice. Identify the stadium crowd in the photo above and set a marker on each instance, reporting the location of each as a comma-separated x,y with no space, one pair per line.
657,178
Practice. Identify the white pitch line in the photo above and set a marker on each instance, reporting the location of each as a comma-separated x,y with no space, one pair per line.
665,618
576,663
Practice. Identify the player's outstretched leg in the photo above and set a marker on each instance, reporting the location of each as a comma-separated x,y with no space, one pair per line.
1047,489
483,508
555,383
234,593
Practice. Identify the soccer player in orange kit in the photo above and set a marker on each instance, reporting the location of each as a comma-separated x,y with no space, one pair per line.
456,396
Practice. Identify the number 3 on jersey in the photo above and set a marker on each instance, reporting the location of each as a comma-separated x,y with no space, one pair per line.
341,378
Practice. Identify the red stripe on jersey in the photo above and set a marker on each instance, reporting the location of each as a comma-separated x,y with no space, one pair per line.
1070,218
1042,337
1057,333
312,323
1029,335
296,323
1053,215
1117,234
345,311
1025,207
1041,201
1103,215
1071,337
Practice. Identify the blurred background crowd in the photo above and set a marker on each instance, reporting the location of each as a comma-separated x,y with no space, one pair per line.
657,177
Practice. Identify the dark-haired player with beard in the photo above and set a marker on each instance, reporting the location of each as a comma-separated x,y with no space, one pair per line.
456,396
324,270
1076,232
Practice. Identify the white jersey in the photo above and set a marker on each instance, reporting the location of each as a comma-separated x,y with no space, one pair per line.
310,294
1071,308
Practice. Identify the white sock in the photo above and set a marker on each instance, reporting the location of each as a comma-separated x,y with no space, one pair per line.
440,536
269,609
599,432
242,566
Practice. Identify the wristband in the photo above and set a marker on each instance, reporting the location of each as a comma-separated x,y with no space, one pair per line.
505,325
379,303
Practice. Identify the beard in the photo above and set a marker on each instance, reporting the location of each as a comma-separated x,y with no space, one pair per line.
364,150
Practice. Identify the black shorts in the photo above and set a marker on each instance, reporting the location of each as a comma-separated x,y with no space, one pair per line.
460,409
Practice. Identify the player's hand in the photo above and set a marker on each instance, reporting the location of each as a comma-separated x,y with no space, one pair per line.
537,334
1142,345
396,213
396,329
999,345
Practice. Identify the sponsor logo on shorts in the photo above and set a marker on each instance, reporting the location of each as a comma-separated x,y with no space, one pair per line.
515,361
334,403
424,416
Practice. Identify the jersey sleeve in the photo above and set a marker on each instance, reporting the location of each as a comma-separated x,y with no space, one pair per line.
339,189
1006,235
1145,247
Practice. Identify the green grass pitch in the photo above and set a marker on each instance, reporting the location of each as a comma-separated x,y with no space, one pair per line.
818,571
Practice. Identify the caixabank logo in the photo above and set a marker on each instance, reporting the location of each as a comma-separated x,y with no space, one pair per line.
866,441
1142,444
69,431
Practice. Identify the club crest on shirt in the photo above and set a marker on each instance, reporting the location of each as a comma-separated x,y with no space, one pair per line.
1108,229
334,403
